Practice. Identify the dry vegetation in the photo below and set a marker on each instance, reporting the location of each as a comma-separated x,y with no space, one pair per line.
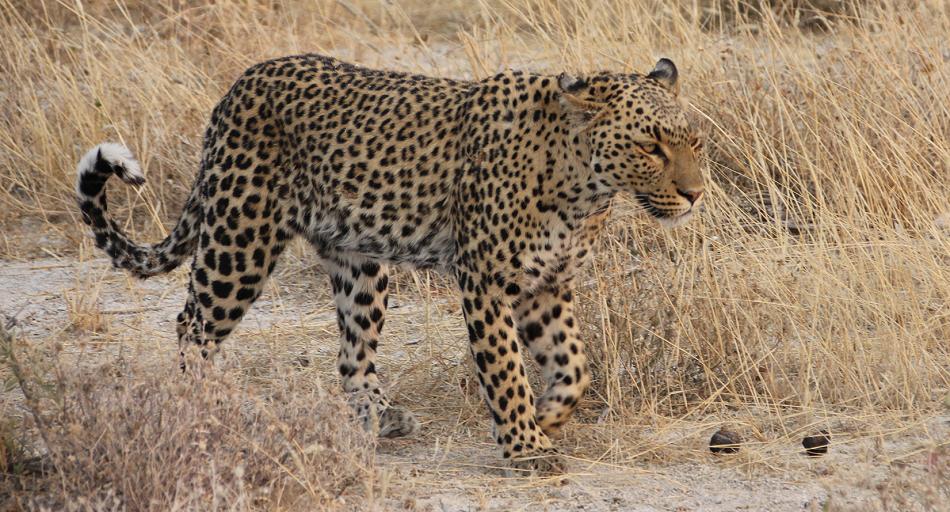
121,436
813,292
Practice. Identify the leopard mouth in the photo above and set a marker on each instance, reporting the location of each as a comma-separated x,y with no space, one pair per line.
664,217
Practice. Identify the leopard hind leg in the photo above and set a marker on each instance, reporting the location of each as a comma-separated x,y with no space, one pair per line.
360,292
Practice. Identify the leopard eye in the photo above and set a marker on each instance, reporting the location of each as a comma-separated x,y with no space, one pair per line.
652,149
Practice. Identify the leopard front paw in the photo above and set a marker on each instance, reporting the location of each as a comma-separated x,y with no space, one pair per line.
545,462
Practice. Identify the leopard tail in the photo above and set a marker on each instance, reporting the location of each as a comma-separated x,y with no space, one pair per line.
142,260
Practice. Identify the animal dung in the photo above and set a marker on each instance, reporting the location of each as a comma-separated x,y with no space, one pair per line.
817,445
724,441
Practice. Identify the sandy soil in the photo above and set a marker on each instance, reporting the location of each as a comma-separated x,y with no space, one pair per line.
447,466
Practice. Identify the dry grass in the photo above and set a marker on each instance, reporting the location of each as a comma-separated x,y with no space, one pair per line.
82,302
814,289
929,493
121,435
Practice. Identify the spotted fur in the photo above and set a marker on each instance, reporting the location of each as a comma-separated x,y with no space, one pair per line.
503,182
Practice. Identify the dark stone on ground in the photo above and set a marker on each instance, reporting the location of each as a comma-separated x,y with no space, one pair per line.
816,445
724,441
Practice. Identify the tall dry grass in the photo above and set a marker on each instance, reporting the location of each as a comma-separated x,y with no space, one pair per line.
815,285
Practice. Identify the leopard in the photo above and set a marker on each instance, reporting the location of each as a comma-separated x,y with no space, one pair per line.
503,183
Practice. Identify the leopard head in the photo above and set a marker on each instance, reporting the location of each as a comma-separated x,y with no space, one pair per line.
639,139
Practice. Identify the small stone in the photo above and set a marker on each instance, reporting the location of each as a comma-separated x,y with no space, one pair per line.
817,445
724,441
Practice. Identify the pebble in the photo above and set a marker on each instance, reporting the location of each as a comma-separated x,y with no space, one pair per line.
817,445
724,441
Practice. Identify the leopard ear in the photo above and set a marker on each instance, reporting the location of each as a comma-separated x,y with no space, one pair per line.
666,74
583,112
570,84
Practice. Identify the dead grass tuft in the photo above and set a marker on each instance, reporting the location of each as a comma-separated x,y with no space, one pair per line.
82,304
122,436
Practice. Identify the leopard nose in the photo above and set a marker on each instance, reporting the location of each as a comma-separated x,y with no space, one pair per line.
691,195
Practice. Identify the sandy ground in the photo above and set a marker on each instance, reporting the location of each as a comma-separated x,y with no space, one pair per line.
447,466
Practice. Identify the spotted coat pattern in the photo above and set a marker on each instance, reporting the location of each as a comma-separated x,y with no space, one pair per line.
502,182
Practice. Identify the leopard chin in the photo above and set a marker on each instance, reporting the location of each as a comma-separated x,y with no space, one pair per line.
676,221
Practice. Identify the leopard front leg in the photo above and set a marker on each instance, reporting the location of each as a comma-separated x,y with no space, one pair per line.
495,348
361,295
548,328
